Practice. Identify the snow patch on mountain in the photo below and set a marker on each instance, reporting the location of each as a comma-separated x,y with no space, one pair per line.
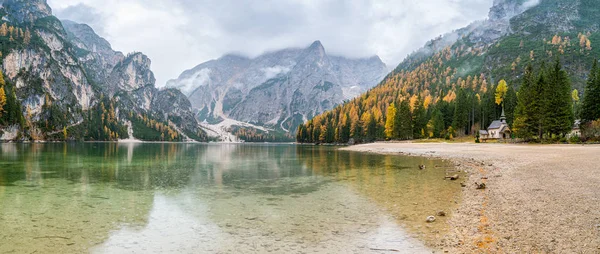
277,89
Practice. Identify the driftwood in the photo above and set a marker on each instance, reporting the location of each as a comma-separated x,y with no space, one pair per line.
393,250
52,236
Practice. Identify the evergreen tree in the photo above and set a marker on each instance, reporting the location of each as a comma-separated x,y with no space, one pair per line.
419,119
559,111
461,112
435,126
510,105
447,112
345,129
523,124
12,109
538,115
301,134
590,108
403,122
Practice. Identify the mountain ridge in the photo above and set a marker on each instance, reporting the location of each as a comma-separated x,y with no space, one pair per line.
62,75
278,89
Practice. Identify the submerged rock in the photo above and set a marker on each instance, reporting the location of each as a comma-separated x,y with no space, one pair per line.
453,177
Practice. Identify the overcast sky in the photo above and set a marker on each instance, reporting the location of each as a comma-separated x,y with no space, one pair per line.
180,34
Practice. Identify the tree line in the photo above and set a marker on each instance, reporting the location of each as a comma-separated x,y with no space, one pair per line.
544,108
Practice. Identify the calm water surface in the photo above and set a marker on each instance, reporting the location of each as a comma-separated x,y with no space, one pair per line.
199,198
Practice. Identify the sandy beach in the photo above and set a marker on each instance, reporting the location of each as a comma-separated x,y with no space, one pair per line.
538,198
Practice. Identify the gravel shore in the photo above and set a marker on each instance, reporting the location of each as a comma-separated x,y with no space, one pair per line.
538,198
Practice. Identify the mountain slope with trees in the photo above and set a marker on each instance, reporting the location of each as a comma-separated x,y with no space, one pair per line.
62,81
450,85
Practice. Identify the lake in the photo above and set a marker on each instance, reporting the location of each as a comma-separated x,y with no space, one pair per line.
218,198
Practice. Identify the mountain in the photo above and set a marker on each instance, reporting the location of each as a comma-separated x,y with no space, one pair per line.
451,81
278,90
65,81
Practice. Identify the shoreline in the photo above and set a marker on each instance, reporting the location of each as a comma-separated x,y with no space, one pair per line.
538,198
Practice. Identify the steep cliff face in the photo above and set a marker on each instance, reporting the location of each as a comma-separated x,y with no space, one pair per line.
62,73
129,79
95,54
277,89
43,68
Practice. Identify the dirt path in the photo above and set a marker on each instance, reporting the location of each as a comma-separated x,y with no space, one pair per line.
539,198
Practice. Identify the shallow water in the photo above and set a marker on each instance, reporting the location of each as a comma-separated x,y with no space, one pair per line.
191,198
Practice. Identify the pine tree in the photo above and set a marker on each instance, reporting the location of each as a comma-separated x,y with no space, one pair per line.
523,124
510,104
435,126
590,108
538,114
559,111
419,118
345,129
403,123
461,111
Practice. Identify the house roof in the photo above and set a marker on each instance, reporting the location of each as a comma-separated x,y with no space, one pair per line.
499,126
495,125
483,132
504,129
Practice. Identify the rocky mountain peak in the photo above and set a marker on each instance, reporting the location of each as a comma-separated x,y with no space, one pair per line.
316,48
133,73
316,45
278,89
86,35
26,11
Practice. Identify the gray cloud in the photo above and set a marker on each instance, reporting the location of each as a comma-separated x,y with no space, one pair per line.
179,34
83,14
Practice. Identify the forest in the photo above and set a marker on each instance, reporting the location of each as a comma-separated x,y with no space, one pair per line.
414,105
